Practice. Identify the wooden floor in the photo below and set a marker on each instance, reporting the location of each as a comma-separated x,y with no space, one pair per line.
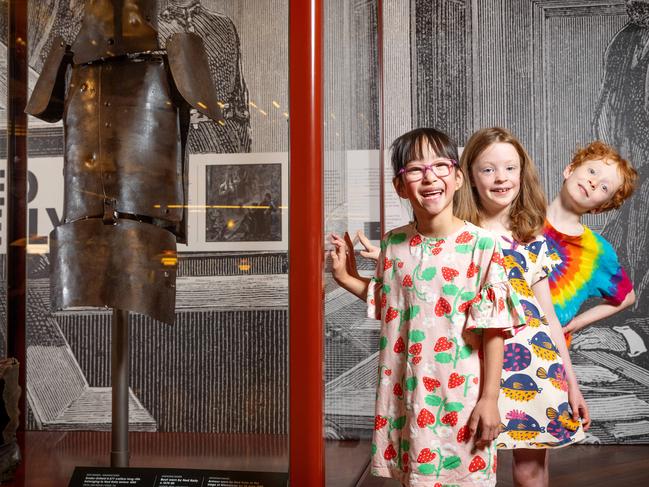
50,458
574,466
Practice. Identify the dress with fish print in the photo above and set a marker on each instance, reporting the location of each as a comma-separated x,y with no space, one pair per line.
433,295
533,399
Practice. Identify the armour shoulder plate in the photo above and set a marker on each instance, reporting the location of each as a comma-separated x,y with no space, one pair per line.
191,74
47,100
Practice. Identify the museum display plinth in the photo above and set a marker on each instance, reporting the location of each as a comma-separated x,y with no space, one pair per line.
50,457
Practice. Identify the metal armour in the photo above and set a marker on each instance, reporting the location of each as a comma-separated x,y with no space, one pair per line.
46,101
129,265
126,121
116,27
122,141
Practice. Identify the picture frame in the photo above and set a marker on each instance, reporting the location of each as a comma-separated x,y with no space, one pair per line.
238,202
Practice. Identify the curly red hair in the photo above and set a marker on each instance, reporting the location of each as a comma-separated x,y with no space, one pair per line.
598,150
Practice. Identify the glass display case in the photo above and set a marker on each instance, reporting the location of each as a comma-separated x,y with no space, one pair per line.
211,386
544,70
267,363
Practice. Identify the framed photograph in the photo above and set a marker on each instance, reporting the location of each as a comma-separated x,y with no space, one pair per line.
238,202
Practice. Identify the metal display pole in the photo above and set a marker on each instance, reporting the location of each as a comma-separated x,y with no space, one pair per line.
119,365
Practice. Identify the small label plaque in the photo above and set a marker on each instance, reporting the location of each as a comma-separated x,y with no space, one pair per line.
173,477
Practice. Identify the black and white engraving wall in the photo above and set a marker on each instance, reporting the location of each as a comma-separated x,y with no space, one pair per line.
223,366
558,73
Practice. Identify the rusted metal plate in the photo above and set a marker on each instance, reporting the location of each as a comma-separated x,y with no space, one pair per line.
129,266
113,28
190,70
123,141
46,101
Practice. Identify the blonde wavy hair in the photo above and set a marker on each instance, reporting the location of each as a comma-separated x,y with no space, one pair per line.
527,212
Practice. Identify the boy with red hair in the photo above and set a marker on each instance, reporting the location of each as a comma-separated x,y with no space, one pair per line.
598,179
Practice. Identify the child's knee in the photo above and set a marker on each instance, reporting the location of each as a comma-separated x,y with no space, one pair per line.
529,464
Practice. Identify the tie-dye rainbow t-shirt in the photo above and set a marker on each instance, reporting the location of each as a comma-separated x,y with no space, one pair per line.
586,266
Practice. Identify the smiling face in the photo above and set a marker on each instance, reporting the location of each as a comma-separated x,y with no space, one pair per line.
496,176
591,184
432,196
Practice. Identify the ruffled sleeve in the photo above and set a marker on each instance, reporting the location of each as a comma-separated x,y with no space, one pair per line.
497,305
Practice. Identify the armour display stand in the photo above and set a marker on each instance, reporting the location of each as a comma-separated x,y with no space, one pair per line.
119,365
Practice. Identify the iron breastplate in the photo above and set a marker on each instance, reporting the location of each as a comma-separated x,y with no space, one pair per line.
122,141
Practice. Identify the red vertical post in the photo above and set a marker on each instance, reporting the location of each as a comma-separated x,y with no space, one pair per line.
306,250
17,188
379,83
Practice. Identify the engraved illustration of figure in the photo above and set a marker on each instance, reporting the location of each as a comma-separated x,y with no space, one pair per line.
622,120
125,105
264,218
223,49
230,181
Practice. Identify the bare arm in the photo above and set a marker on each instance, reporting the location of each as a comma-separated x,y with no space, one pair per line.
356,285
484,422
577,403
597,313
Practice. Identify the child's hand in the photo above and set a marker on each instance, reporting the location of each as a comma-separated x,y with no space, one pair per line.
342,258
343,268
578,406
338,258
484,423
572,326
352,269
370,252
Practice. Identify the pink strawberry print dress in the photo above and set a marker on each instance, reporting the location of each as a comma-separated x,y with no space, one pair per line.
533,399
433,295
